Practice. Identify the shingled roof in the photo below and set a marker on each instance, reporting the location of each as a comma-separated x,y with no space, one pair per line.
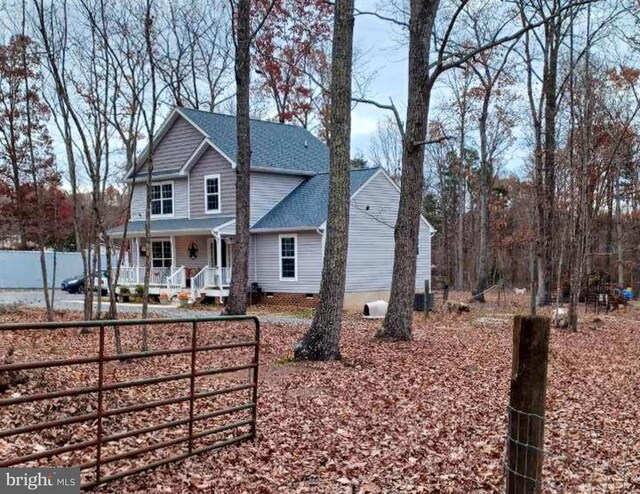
174,225
273,145
307,205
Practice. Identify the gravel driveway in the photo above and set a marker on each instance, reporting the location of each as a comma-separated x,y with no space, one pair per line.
74,301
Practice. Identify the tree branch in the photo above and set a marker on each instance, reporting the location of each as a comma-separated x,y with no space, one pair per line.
460,58
429,142
262,21
391,107
400,23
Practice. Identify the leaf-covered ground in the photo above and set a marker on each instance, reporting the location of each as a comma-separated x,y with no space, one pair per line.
424,416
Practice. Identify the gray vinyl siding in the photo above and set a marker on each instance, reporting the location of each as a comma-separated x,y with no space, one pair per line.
252,264
268,189
180,200
182,252
267,250
211,163
371,239
175,147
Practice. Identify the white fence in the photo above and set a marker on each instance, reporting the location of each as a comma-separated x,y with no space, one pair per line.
21,269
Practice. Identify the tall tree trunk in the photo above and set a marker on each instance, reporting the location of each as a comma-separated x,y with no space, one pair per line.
398,321
462,193
486,184
150,124
547,195
610,221
322,341
619,248
237,303
37,187
582,232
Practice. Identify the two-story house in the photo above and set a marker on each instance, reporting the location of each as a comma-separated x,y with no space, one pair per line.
193,209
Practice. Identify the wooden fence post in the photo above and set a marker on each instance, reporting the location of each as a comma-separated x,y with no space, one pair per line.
525,445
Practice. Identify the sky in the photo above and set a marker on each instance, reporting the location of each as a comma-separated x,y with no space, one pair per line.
385,57
382,59
378,44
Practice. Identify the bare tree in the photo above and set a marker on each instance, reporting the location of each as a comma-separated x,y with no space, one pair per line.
149,114
243,36
81,96
322,341
449,54
397,323
237,303
194,53
489,68
386,148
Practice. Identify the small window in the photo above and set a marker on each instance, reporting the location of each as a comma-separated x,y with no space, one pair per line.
288,257
162,199
161,254
212,193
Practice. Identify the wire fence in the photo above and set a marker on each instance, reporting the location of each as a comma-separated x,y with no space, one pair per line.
553,455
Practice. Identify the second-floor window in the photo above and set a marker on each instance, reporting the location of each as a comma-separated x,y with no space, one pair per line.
162,199
212,193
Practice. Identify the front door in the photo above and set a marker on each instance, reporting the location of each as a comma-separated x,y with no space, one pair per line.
227,254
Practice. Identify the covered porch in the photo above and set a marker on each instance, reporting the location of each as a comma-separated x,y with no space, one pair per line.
198,262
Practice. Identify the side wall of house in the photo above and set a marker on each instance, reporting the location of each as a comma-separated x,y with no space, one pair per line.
180,200
268,189
265,263
371,240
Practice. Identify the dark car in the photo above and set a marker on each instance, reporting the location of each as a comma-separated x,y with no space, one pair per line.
76,283
73,284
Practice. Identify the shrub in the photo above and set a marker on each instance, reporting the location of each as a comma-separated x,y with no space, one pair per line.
125,291
139,290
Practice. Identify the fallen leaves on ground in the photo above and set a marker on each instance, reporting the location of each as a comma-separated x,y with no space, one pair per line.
422,416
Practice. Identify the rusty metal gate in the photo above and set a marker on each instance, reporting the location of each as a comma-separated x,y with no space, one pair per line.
211,378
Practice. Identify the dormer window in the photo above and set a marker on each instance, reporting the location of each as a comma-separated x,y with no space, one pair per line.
162,199
212,193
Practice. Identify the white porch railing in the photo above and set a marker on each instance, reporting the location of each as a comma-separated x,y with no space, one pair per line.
134,275
200,281
209,277
224,277
130,275
176,281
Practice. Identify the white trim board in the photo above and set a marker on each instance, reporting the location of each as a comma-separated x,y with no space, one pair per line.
295,256
206,194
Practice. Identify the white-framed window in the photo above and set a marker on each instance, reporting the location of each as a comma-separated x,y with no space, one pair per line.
161,253
288,245
162,199
212,193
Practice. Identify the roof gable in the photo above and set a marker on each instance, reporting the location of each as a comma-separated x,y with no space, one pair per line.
273,145
307,205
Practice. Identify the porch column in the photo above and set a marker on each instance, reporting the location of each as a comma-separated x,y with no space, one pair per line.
219,259
137,261
173,252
